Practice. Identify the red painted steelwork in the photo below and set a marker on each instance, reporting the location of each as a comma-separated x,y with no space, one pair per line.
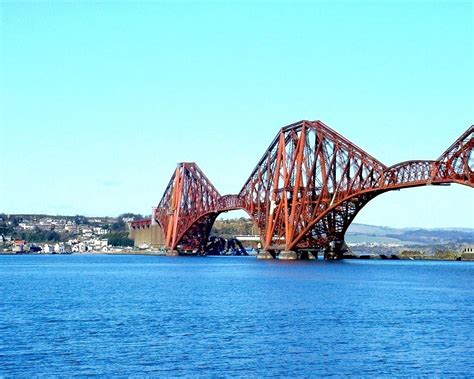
305,191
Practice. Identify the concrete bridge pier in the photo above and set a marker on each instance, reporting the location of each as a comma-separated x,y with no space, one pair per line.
335,250
264,254
172,253
308,254
288,255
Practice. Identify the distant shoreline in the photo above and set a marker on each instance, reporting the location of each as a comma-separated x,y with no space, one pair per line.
461,258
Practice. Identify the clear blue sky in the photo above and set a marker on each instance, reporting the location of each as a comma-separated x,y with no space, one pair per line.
100,100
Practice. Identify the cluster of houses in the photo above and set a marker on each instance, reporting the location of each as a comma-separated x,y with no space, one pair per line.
72,246
84,237
62,226
375,244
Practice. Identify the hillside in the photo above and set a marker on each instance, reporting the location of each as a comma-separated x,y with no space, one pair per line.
361,233
409,236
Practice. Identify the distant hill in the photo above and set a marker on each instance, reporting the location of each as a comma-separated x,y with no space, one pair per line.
362,233
409,236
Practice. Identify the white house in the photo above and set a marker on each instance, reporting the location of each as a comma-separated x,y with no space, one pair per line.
59,248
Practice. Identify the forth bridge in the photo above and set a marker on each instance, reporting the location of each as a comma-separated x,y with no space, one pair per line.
303,194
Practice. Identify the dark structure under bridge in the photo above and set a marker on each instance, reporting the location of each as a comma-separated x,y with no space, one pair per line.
303,194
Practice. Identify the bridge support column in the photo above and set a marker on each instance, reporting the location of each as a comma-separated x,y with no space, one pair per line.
172,253
308,254
287,255
264,254
335,250
312,255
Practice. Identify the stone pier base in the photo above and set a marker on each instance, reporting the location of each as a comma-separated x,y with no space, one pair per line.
306,254
264,255
172,253
335,250
312,255
287,255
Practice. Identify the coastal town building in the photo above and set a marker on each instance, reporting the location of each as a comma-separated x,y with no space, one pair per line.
19,246
468,249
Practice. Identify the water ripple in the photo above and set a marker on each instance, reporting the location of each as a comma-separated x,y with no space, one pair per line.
155,316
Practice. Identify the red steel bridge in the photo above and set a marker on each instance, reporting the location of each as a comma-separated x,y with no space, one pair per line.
304,192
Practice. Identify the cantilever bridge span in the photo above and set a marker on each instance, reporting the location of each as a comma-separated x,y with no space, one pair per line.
304,192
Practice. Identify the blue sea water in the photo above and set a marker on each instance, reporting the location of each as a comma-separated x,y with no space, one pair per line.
234,316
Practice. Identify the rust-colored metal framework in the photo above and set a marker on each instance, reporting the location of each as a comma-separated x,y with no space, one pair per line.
304,192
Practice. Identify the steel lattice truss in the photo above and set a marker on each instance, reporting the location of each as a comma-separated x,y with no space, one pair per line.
188,207
305,191
456,164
